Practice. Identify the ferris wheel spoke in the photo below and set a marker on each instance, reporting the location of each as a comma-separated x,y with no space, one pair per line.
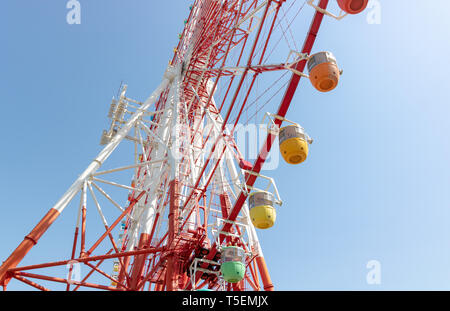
99,209
108,197
115,184
123,168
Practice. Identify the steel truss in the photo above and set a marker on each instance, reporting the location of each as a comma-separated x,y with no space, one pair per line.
190,181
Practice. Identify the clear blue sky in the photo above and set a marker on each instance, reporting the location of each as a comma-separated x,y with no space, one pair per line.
376,184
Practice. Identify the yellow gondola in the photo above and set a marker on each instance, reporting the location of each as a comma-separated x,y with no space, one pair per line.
294,144
262,212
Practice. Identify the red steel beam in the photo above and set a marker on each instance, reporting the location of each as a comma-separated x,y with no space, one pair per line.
26,245
87,259
61,280
31,283
172,260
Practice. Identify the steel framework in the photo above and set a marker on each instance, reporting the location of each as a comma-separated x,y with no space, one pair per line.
190,181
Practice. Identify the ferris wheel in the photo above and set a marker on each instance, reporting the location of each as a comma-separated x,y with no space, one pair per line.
193,202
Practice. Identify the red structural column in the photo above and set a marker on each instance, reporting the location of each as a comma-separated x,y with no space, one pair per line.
172,262
264,272
123,270
74,247
159,287
139,262
83,231
24,247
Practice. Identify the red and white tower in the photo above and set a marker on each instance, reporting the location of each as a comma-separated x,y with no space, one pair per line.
187,211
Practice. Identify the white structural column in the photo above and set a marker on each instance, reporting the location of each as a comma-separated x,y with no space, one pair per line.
112,145
157,175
